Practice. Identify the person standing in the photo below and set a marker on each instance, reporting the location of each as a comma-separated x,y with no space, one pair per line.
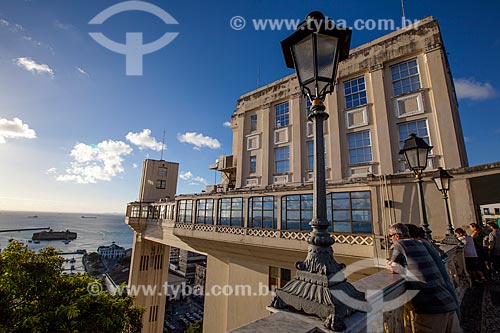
478,236
436,305
470,254
494,246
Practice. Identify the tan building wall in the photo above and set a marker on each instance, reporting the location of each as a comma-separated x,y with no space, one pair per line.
149,269
433,102
158,180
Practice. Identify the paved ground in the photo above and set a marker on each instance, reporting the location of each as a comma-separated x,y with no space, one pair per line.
481,308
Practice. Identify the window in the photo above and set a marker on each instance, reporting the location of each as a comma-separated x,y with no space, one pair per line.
360,148
357,117
136,211
281,113
253,123
162,172
308,106
253,142
185,211
263,212
253,164
278,277
355,92
296,211
231,212
161,184
205,211
282,160
405,77
497,211
350,212
487,211
418,127
310,155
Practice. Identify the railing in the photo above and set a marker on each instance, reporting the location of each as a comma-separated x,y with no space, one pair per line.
272,233
383,286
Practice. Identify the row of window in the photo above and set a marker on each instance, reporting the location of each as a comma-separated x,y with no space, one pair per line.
349,212
359,145
405,78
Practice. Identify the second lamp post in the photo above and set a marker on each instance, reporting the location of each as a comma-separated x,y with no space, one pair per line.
416,152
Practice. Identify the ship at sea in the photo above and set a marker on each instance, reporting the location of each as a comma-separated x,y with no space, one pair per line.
54,235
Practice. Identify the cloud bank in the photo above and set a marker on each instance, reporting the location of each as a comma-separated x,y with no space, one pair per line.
34,67
471,89
15,128
199,140
144,140
93,163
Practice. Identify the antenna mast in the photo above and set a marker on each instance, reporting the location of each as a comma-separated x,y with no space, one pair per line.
162,146
403,18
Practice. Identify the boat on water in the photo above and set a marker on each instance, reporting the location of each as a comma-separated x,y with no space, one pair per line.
36,241
54,235
33,216
66,241
88,217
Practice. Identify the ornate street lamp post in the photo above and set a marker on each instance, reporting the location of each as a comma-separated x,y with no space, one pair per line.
314,50
416,152
442,180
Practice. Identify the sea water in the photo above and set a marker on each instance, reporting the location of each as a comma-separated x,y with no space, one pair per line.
98,230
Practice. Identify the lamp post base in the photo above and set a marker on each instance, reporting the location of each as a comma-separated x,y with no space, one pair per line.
451,240
323,296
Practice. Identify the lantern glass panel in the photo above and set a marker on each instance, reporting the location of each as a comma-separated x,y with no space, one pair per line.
303,58
327,48
445,183
422,158
439,184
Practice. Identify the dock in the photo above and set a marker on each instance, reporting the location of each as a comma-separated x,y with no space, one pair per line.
24,229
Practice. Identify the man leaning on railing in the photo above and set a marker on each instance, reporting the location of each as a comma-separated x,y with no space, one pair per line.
436,305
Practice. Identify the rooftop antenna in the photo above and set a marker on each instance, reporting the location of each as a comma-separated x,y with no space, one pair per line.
162,146
403,18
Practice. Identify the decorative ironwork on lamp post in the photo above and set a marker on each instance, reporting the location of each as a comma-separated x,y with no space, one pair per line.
442,180
314,50
416,152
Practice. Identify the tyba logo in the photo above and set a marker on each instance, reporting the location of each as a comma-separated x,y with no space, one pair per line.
133,49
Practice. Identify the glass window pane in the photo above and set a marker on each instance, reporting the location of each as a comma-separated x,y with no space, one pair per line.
361,227
341,227
341,215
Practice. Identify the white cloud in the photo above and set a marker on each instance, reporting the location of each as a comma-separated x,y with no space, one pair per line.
227,124
32,66
468,139
93,163
193,180
63,26
81,71
134,165
144,140
471,89
12,27
51,171
186,175
15,128
199,140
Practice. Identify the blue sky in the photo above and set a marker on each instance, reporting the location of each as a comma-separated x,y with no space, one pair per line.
72,124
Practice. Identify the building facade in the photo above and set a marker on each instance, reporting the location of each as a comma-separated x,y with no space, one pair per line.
112,251
252,227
